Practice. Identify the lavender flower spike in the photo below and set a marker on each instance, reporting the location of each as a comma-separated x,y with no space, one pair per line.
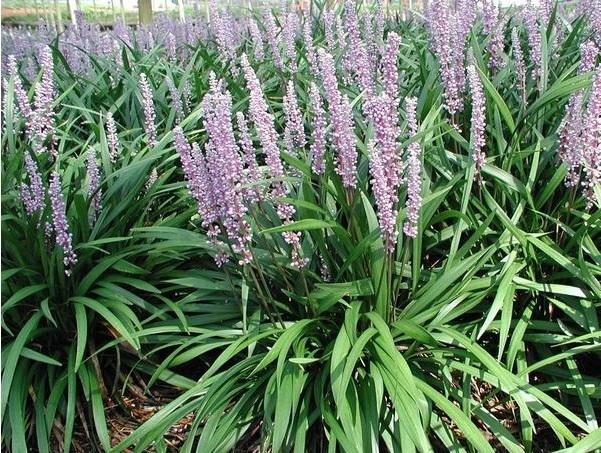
448,32
293,238
253,173
20,93
199,184
309,47
268,137
63,236
93,174
569,139
43,97
176,99
478,123
588,56
520,67
387,213
32,195
225,169
342,122
414,177
149,114
534,40
385,165
591,142
257,40
328,24
289,32
346,159
318,147
390,73
273,40
111,137
294,133
263,121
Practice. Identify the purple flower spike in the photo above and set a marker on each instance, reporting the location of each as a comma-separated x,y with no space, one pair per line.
390,72
343,136
289,32
493,27
32,195
414,176
489,16
386,132
294,133
328,77
520,67
272,40
588,56
268,137
94,190
253,173
202,190
63,236
199,184
591,142
380,20
569,139
478,122
318,147
43,115
257,40
20,93
170,47
448,29
225,169
385,165
219,28
309,48
387,213
263,121
328,23
363,69
111,137
351,25
176,99
370,41
534,40
293,238
148,107
580,130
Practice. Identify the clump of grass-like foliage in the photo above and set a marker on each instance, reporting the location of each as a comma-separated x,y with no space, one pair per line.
476,330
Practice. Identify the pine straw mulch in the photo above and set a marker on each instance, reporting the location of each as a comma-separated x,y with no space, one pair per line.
137,407
125,413
506,412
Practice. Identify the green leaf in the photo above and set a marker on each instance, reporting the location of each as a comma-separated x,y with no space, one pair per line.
589,443
81,321
12,360
21,294
471,431
109,316
510,269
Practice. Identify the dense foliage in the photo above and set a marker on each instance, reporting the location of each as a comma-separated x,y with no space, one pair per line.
344,230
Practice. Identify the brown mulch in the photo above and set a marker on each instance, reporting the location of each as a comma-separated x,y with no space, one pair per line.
137,407
16,12
125,413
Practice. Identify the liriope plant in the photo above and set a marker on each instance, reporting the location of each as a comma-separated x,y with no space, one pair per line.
374,248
